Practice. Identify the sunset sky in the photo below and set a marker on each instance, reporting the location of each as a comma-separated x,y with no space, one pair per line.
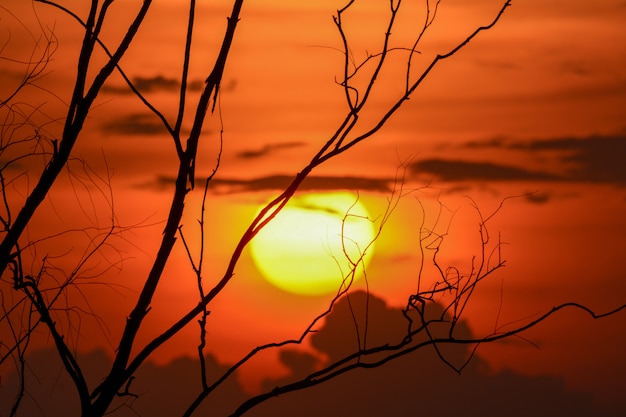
534,108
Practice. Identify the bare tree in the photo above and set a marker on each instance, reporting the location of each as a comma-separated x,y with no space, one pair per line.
34,287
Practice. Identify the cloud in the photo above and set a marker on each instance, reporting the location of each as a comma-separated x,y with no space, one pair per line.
265,150
152,85
593,159
158,83
537,197
157,391
135,124
415,384
280,182
459,170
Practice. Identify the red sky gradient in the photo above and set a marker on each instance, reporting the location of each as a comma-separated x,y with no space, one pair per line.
535,105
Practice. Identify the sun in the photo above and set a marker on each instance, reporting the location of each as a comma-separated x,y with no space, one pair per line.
310,246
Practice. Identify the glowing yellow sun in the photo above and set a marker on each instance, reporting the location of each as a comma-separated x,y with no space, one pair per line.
311,245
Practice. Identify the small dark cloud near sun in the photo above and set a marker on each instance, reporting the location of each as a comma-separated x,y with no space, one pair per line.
267,149
135,124
495,142
153,84
318,208
537,197
158,83
311,183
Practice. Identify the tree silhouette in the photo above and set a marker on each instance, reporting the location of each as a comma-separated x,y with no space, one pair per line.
36,287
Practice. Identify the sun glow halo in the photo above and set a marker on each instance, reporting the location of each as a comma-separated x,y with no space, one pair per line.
309,247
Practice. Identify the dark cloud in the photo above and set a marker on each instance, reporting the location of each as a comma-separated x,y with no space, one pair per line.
152,85
135,124
418,384
280,182
458,170
537,197
158,83
258,153
311,183
319,208
595,159
161,391
495,142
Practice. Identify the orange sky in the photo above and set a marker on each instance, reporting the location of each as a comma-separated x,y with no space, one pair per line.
534,105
